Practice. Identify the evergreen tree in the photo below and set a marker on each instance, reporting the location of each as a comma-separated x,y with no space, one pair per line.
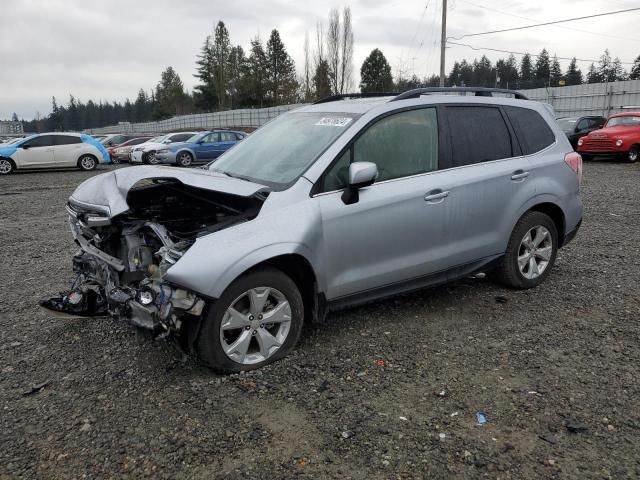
236,68
375,73
483,73
574,75
593,75
73,117
452,79
542,69
220,50
55,121
404,84
634,74
526,72
281,72
466,73
14,117
255,77
507,72
170,95
321,80
555,72
205,94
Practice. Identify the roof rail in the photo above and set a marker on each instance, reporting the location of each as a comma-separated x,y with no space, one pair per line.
479,91
342,96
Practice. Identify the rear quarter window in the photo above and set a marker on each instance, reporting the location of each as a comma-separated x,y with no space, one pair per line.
531,129
478,134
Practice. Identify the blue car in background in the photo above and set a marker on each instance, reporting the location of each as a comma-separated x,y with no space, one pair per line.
201,148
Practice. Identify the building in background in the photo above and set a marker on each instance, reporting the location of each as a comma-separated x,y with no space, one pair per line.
11,128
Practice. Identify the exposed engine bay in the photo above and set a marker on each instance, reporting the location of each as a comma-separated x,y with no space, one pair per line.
122,260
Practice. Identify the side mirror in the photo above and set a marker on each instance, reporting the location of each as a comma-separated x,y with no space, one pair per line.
25,146
167,141
361,174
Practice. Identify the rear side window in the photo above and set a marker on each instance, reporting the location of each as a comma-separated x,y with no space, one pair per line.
67,140
531,129
478,134
181,137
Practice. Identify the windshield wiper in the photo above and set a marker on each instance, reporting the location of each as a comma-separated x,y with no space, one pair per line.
231,175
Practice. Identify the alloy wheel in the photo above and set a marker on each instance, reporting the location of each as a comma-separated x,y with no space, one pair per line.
535,252
87,163
5,166
151,158
184,159
255,325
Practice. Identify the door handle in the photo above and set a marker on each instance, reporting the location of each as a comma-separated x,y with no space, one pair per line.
519,175
432,197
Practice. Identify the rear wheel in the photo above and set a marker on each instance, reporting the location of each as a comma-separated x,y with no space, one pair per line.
586,157
87,162
184,159
633,154
256,321
531,252
6,166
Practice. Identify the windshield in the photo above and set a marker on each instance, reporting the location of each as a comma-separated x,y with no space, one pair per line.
282,150
567,124
630,121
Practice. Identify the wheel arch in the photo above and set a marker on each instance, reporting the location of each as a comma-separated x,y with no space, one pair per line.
299,269
556,214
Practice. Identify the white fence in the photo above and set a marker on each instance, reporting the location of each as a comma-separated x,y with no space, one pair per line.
246,117
590,99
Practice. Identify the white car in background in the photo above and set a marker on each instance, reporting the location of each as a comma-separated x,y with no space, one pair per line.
146,152
52,150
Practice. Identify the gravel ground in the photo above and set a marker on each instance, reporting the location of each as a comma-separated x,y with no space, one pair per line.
389,390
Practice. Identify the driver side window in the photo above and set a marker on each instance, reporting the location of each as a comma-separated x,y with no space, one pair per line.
401,145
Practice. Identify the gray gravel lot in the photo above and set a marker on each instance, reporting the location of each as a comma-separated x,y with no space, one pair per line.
389,390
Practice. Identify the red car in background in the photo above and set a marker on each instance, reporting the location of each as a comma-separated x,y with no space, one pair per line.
619,138
120,153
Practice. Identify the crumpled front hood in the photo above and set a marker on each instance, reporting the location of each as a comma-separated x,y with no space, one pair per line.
110,189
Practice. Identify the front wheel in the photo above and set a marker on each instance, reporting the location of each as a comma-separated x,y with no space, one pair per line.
87,163
632,154
6,166
256,321
531,252
184,159
151,158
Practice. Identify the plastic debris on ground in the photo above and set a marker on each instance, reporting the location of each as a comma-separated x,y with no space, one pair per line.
481,418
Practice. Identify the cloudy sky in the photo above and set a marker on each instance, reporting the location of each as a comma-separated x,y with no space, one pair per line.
108,49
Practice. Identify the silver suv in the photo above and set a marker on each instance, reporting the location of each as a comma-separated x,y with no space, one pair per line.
333,204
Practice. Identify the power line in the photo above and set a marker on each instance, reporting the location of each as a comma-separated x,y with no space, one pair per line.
546,23
526,53
557,26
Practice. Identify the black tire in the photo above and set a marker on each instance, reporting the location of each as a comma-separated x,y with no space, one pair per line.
115,160
633,154
209,344
150,158
184,159
508,272
586,157
6,166
87,162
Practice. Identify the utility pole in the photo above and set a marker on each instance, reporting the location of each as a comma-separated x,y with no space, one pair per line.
443,41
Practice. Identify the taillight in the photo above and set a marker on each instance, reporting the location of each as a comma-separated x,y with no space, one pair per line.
574,160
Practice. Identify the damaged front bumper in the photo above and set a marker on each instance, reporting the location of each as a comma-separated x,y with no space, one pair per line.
131,284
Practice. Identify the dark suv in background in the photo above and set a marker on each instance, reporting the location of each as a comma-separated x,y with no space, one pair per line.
576,127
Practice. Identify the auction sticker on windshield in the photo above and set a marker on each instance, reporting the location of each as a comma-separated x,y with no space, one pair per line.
334,121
